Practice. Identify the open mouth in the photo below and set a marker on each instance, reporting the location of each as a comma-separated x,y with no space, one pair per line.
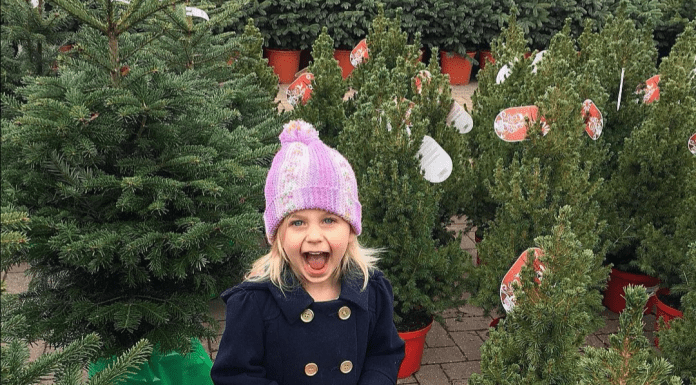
316,261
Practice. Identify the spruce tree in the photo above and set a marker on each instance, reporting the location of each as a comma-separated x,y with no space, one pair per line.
142,177
629,359
325,109
539,340
656,170
528,182
402,211
676,340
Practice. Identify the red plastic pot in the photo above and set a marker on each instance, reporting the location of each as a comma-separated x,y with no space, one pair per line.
415,343
614,294
664,311
343,57
456,66
285,63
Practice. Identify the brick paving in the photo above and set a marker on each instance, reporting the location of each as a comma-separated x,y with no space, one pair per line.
451,352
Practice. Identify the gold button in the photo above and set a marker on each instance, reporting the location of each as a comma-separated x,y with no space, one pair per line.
311,369
307,315
344,313
346,367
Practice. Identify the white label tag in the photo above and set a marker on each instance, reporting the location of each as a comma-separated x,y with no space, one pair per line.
461,119
435,162
502,74
192,11
618,103
537,59
34,3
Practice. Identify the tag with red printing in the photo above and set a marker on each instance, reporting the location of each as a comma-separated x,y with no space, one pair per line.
300,90
460,119
692,144
507,287
651,90
594,122
421,76
359,54
435,162
511,123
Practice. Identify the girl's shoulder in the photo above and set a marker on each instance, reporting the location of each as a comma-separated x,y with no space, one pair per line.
245,289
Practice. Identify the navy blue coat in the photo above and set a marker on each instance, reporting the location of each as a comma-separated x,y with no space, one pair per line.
271,338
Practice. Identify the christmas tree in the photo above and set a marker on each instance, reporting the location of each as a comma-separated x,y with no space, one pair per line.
528,181
380,131
629,359
141,164
676,340
382,140
539,340
655,170
325,109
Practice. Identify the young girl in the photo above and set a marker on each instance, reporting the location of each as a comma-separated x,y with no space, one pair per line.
315,310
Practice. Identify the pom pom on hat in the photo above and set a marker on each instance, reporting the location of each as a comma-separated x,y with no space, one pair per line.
308,174
298,131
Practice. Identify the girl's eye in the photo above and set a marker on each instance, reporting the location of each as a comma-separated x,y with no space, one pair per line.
329,221
296,223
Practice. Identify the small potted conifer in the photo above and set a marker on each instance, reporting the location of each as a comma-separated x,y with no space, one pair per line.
382,131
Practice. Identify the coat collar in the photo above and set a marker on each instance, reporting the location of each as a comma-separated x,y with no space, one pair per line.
292,303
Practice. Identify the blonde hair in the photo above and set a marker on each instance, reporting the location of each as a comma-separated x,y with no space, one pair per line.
358,261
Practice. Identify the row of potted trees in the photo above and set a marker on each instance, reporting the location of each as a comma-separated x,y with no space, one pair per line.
455,27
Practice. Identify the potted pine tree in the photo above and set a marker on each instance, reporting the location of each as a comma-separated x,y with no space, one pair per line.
653,183
539,340
524,181
141,164
675,340
381,134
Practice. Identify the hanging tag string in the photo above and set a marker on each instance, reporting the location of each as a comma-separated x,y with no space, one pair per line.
618,103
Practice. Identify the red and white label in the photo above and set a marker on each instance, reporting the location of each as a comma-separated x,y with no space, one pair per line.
300,90
359,54
511,123
594,122
692,144
651,90
422,76
512,277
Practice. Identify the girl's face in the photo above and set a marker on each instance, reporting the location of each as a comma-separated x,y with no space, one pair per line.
315,242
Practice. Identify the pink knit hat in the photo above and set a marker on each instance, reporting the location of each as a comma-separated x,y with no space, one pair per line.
307,174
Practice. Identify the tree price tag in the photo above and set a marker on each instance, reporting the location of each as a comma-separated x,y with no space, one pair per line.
650,90
594,122
511,123
300,90
512,277
422,76
359,54
503,74
460,119
435,162
692,144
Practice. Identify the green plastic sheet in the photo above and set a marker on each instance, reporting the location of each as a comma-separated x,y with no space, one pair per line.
168,369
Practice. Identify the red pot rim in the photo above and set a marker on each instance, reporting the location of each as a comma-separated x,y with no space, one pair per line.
633,277
663,307
416,333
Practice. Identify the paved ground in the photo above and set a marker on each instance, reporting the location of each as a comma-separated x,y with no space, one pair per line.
451,353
